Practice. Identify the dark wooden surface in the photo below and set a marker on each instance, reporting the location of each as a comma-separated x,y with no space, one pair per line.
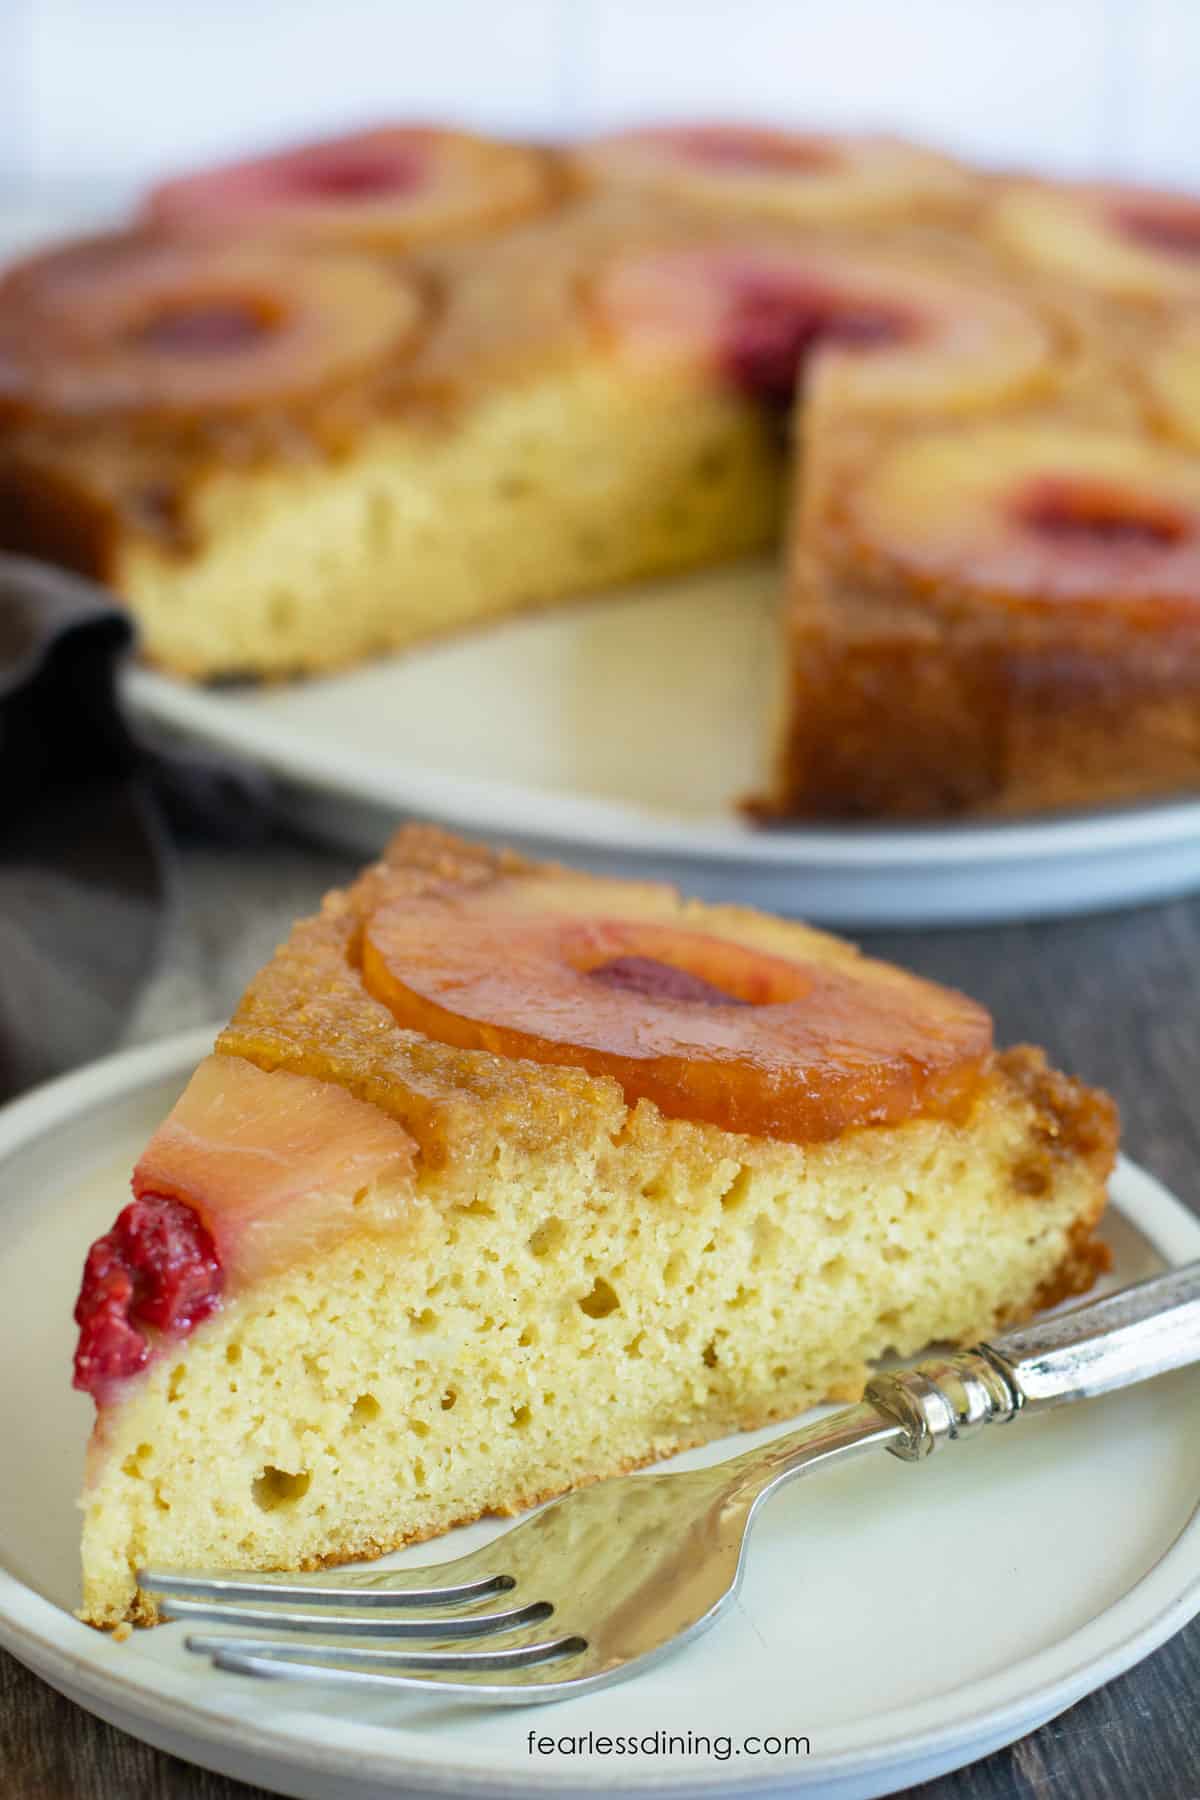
1115,998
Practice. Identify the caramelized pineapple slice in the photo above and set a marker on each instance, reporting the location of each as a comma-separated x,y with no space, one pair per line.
704,1011
131,324
382,189
882,335
1129,243
1035,515
816,178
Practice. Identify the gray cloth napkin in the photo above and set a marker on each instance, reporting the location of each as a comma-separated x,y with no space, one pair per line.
85,805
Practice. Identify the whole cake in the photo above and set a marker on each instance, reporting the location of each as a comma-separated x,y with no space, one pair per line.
505,1178
333,401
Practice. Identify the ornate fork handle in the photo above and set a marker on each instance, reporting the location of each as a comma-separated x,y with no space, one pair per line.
1127,1337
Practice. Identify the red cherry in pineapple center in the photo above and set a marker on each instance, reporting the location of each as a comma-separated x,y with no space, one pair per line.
774,326
1081,514
207,327
1172,226
655,980
697,1012
356,175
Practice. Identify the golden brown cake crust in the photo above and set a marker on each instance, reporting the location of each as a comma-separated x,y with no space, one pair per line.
921,696
904,706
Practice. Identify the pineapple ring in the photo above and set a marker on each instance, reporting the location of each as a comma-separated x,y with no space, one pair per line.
1131,243
1034,515
884,336
131,324
381,189
714,1021
807,176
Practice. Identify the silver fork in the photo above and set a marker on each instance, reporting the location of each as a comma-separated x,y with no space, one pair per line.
603,1583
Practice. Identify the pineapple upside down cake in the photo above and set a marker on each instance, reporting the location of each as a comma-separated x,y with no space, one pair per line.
333,401
505,1178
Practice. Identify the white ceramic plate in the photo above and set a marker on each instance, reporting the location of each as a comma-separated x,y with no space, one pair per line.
622,733
906,1620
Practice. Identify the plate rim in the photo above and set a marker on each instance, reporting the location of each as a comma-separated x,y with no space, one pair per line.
34,1628
332,769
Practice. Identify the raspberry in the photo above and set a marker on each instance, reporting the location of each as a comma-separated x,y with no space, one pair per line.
158,1268
342,175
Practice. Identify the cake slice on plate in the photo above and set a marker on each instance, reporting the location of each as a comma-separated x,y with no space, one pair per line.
505,1178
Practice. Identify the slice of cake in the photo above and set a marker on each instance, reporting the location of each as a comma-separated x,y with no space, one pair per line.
505,1178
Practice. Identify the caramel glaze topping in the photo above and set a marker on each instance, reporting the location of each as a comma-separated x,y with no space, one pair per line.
310,1012
693,1009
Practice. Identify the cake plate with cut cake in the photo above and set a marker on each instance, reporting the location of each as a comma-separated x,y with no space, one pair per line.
351,398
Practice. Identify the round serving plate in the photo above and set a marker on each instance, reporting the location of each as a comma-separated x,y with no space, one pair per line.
622,733
901,1620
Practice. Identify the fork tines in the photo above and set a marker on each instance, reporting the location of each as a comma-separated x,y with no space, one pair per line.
262,1656
319,1615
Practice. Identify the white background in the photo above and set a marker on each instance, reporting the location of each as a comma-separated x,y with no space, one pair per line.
116,90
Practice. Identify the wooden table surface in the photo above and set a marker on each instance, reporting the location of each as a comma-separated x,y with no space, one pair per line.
1115,998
